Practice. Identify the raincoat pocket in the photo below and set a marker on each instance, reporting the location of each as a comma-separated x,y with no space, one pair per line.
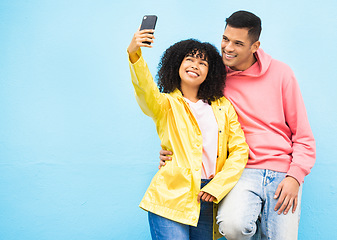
173,186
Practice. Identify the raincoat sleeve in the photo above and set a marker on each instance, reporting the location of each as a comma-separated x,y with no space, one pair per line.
235,163
150,100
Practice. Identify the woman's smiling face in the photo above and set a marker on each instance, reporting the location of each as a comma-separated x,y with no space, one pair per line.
193,70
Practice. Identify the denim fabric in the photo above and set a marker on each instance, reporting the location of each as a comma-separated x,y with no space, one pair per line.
165,229
247,212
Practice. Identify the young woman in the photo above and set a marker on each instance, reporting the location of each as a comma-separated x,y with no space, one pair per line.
197,123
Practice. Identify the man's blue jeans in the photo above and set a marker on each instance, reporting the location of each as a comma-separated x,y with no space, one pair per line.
165,229
253,197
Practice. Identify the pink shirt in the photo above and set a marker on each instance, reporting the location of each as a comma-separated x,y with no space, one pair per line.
204,115
272,114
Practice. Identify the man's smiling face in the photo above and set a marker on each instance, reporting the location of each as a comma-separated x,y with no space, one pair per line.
237,48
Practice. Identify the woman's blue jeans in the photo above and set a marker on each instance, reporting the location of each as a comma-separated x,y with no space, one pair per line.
165,229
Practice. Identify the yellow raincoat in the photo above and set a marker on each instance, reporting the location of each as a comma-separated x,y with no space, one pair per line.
173,190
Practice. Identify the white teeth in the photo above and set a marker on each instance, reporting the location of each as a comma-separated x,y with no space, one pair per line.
193,74
230,56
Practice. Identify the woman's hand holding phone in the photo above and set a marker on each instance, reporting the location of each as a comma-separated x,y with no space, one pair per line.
138,40
143,37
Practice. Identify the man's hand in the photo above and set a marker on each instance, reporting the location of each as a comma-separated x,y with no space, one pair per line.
164,157
206,197
287,194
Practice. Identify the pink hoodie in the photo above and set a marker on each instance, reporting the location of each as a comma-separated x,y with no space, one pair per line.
272,114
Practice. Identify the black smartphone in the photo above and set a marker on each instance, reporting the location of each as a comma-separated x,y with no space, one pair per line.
149,22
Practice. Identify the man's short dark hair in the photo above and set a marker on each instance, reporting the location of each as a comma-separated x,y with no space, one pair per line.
244,19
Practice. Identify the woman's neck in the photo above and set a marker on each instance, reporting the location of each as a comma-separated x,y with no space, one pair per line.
190,93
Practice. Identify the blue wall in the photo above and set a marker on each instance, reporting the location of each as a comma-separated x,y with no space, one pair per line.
76,152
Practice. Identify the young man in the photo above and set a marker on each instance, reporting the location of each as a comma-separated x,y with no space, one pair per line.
272,114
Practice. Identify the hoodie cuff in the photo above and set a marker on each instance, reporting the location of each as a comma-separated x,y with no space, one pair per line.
296,173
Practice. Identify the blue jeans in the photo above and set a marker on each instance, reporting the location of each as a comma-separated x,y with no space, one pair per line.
247,212
165,229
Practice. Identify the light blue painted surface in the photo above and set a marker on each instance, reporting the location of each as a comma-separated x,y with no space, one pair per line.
76,152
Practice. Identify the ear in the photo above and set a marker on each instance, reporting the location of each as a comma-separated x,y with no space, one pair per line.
255,46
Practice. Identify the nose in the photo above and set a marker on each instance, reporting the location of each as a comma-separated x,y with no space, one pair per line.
194,67
229,47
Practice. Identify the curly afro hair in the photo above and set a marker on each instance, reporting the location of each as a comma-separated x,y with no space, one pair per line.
168,69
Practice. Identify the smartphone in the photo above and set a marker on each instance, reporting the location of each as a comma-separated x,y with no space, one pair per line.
149,22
